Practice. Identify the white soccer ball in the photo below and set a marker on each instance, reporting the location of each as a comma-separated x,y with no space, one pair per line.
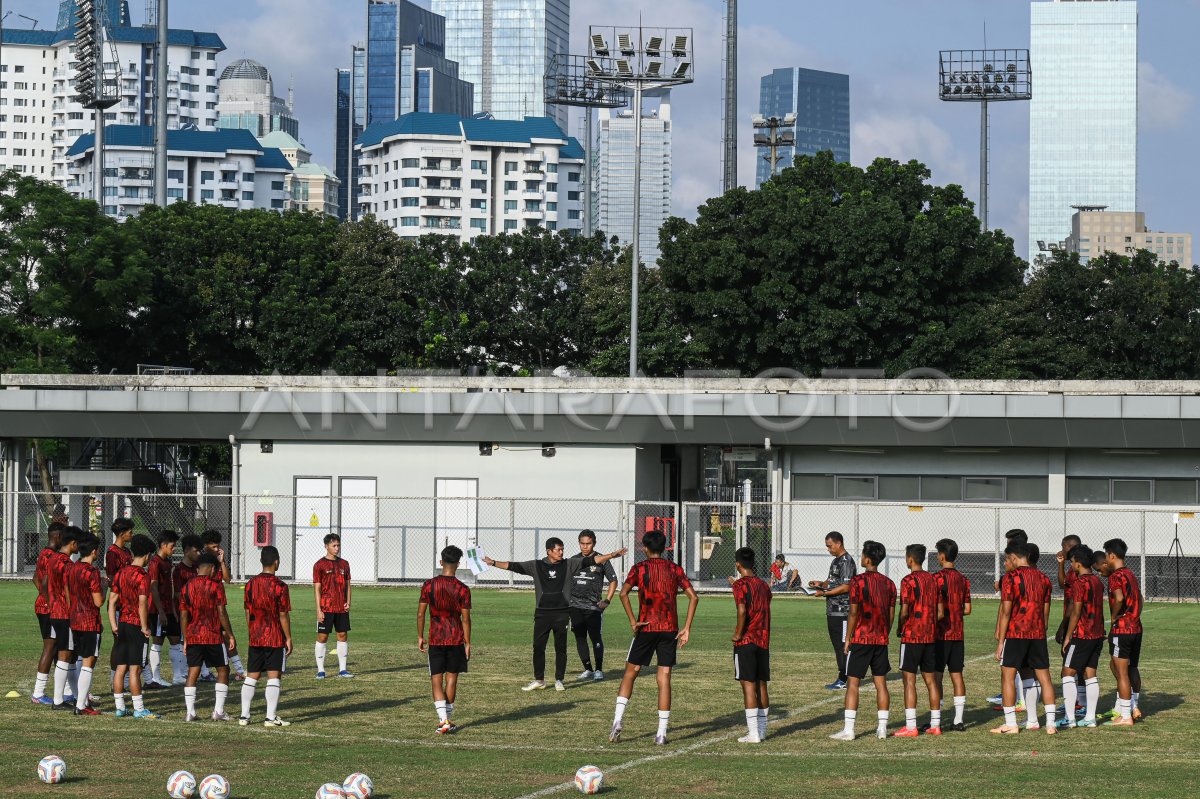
181,785
589,780
330,790
358,786
214,786
52,769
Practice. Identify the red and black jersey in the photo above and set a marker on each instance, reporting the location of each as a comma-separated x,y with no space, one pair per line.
42,603
875,596
131,583
658,580
202,600
955,592
85,584
57,568
160,570
180,577
919,590
115,559
756,596
266,598
334,578
447,597
1029,591
1129,620
1088,592
1069,582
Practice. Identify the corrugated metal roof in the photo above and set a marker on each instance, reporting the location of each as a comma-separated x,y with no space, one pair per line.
195,141
412,125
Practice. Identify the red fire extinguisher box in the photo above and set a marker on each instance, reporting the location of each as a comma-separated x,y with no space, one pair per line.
264,528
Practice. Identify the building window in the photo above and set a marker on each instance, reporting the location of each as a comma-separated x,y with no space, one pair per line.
207,194
552,207
410,202
478,185
479,205
573,195
573,177
511,205
410,163
480,166
479,224
248,196
510,224
533,205
409,221
510,185
552,169
175,174
855,487
551,187
276,185
510,167
572,214
277,204
205,177
247,177
410,183
174,194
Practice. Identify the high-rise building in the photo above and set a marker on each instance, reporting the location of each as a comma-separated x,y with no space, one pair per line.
248,101
351,122
503,47
1095,231
309,186
614,177
821,103
1083,116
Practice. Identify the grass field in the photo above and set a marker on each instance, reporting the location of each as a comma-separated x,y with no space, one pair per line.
514,744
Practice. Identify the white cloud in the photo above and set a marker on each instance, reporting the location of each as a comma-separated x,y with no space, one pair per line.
1161,104
906,135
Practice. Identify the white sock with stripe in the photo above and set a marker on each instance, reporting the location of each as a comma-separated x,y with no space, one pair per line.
763,713
273,691
851,717
1091,690
39,684
189,699
910,718
664,718
85,687
960,707
320,651
440,706
343,653
222,691
155,663
61,670
1032,689
73,677
622,703
1070,692
752,721
248,689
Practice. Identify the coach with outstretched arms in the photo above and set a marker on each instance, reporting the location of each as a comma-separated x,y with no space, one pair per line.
836,590
553,577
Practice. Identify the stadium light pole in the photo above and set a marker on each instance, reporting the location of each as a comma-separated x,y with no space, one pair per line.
639,59
984,76
90,83
780,133
160,106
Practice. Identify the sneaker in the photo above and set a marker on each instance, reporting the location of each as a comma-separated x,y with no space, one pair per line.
345,675
152,685
1080,712
122,712
1065,724
64,705
586,675
1086,723
1109,716
995,700
221,716
190,717
1020,708
447,727
660,740
749,739
68,699
614,735
41,700
320,675
1120,722
243,721
144,714
558,685
276,722
906,732
934,731
87,711
844,735
1005,730
958,726
536,685
836,685
597,676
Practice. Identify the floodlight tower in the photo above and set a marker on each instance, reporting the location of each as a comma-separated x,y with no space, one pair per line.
90,84
643,59
781,132
729,166
568,83
985,76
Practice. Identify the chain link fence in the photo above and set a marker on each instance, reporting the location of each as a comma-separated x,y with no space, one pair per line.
396,540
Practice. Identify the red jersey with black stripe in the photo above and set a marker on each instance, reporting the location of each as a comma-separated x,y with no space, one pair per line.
266,598
333,575
755,595
180,577
42,603
202,600
115,559
875,596
84,580
1029,591
447,597
131,583
1129,620
160,570
1088,592
658,581
955,592
57,568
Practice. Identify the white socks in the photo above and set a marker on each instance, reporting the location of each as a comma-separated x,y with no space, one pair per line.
1032,690
155,663
881,727
1010,717
222,692
763,712
39,684
118,701
440,706
73,677
1133,700
1070,694
752,722
248,688
273,689
960,707
85,687
1125,708
851,716
61,670
1091,690
1051,712
320,652
935,719
450,710
178,663
620,714
189,699
910,717
139,703
664,717
343,653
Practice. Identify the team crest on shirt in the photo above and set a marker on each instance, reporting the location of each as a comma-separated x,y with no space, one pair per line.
553,573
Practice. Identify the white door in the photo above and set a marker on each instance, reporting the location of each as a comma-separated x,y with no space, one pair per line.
457,514
313,521
358,520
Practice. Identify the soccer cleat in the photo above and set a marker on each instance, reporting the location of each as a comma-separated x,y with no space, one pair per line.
152,685
1032,725
1120,722
1065,724
995,700
41,700
144,714
958,726
1020,708
63,706
1109,716
191,717
320,675
1137,715
243,721
836,685
87,711
1086,724
844,735
1080,712
1051,730
68,699
536,685
221,716
1005,730
614,735
276,722
447,727
934,731
122,713
881,732
660,740
749,739
906,732
597,676
586,675
345,674
558,685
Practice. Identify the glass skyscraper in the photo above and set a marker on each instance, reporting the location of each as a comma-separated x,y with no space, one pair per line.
614,175
351,122
1083,116
821,102
504,47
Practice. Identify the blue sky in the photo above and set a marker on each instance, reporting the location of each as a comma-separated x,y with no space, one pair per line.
888,48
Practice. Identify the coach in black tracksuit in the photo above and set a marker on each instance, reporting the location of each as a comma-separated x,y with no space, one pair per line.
553,579
836,590
587,608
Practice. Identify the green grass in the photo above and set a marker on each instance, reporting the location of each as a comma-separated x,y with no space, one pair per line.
513,743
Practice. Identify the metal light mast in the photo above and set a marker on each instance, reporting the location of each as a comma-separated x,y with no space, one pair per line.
729,175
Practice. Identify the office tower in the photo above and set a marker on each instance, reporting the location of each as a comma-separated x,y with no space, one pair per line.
615,174
248,101
504,47
821,102
1083,116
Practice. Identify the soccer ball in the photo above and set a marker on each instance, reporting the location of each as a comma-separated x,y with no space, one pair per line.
358,786
589,779
330,790
214,786
52,769
181,785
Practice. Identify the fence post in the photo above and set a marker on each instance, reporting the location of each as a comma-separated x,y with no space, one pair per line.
857,536
512,535
1142,571
996,544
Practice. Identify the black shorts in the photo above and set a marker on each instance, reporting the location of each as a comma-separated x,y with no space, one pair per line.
334,622
44,624
1127,647
1083,653
653,646
164,626
950,656
87,644
751,663
264,658
864,656
1025,653
130,646
214,656
60,631
447,659
918,657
